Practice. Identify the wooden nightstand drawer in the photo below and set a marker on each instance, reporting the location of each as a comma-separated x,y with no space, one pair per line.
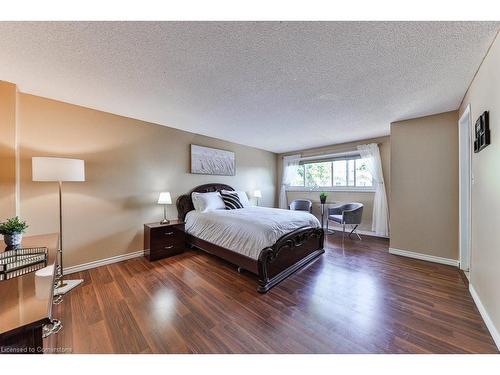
164,240
173,243
156,253
168,233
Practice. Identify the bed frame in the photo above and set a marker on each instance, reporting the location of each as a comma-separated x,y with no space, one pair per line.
290,253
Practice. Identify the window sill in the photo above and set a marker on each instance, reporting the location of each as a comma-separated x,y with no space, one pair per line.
330,189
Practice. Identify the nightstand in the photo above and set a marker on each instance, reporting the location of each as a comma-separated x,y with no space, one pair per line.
164,240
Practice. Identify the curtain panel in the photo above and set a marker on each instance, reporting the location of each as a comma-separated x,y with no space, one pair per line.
380,220
290,164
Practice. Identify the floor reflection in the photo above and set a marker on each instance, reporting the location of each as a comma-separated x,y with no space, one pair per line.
163,306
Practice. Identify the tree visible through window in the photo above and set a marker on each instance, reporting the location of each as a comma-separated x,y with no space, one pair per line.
318,174
348,172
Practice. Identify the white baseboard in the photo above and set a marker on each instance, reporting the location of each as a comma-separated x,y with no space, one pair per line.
429,258
487,320
102,262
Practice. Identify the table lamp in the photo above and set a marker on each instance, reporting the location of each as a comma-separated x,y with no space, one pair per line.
257,194
165,199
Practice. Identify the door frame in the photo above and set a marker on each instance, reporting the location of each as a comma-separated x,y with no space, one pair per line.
465,187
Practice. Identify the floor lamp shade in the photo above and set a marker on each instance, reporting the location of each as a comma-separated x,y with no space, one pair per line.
57,169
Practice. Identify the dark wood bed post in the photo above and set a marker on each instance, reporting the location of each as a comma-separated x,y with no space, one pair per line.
290,253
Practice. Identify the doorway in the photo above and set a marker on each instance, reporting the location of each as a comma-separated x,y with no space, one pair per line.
465,178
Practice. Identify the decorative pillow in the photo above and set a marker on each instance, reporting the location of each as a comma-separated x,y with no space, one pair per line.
242,195
205,202
231,200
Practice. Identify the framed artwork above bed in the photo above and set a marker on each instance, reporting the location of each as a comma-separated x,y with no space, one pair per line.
212,161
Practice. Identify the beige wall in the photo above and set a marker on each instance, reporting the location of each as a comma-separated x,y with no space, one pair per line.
341,196
424,185
7,150
128,162
484,95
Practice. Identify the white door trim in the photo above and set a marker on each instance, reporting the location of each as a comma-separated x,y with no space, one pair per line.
465,162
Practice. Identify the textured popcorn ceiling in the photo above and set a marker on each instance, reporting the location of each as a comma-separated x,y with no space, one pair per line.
279,86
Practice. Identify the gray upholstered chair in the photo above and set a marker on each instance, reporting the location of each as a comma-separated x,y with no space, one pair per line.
349,213
301,205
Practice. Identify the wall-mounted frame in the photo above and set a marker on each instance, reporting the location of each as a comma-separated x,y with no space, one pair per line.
212,161
482,132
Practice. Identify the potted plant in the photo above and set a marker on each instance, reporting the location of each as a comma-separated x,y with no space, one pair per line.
12,231
322,197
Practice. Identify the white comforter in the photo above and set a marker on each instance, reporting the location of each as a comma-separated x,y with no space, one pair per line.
247,230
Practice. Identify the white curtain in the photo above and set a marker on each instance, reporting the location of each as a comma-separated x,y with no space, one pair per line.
290,164
380,221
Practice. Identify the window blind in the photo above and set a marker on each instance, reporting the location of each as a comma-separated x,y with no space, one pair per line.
329,158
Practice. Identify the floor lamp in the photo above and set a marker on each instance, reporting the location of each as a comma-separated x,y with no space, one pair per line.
59,170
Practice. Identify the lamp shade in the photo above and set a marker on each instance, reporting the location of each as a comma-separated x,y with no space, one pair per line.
257,194
165,198
57,169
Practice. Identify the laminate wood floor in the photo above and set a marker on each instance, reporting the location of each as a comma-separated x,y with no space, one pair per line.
359,299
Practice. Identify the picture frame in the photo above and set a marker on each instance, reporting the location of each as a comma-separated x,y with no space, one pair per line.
212,161
481,132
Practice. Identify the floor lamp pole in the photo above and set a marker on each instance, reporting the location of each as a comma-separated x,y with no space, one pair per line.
63,286
61,272
55,325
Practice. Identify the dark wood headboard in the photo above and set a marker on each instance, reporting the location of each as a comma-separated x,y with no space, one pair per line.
185,203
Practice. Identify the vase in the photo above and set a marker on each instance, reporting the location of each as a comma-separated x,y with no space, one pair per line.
13,240
322,200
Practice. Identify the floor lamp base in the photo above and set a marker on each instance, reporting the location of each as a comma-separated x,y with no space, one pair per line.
66,286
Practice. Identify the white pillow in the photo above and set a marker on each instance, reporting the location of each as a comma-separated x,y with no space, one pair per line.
243,197
205,202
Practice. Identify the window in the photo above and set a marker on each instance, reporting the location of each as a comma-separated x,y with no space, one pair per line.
346,172
318,174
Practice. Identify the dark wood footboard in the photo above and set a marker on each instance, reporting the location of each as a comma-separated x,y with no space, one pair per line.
290,253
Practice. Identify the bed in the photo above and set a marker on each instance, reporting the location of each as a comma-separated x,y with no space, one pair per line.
290,240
